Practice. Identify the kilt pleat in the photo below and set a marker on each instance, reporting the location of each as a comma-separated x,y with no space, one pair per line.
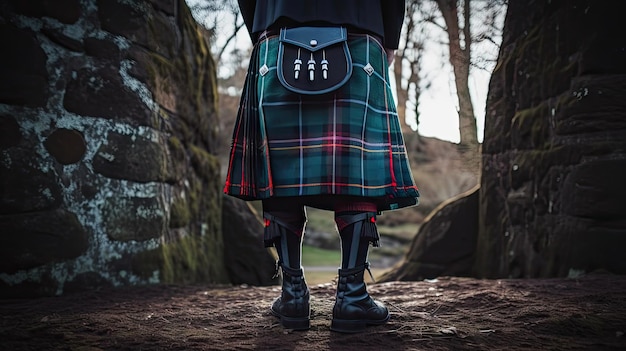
346,143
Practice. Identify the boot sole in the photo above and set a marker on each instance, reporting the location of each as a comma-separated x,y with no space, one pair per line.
295,323
354,326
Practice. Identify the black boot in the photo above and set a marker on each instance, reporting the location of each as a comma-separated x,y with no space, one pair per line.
354,308
283,229
292,307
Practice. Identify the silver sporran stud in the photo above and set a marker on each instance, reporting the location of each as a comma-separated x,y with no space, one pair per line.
368,69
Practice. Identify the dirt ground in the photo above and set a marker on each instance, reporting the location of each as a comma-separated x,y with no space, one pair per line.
587,313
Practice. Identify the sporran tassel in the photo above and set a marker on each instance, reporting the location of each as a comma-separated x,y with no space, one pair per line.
324,65
271,230
369,230
297,66
311,68
367,223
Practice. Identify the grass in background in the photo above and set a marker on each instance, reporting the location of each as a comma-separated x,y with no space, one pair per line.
320,265
321,220
316,257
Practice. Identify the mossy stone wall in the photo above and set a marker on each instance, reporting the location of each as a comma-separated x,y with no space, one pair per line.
107,139
554,152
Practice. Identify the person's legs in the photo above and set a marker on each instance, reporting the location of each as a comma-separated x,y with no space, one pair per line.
284,223
354,309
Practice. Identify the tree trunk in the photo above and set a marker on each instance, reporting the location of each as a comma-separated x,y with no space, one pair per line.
460,61
402,94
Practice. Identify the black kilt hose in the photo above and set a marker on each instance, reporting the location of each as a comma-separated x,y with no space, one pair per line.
347,143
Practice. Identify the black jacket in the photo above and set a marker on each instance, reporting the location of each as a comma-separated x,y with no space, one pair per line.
380,17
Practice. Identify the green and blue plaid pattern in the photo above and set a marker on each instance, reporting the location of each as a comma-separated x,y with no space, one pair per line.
348,142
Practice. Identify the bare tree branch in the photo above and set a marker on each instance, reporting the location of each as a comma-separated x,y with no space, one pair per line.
219,54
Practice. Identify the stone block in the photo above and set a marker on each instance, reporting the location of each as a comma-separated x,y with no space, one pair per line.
129,218
132,158
65,11
23,68
445,243
25,187
99,91
66,146
596,189
245,257
10,133
33,239
102,48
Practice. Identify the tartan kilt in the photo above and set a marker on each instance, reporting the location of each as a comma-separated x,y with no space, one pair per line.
347,142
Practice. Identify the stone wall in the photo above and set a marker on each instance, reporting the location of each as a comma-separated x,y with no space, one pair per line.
550,202
554,153
107,132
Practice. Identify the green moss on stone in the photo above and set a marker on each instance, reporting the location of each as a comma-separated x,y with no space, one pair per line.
532,126
188,74
206,165
195,192
179,213
192,259
178,158
147,262
188,260
176,146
